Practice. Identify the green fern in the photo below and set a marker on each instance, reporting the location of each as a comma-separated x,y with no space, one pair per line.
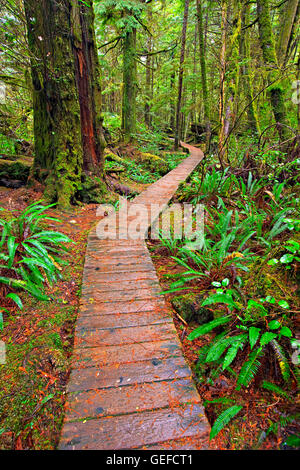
218,348
274,388
249,368
203,329
253,335
224,419
233,350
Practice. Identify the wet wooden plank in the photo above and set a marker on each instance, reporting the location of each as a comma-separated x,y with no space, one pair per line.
90,276
134,430
115,308
120,268
122,295
118,261
133,399
200,442
126,374
91,338
107,286
123,320
125,353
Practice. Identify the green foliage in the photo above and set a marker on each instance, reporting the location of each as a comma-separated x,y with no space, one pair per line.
288,259
231,341
223,419
30,254
275,389
204,329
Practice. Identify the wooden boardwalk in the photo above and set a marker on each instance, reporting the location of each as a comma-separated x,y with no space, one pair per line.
130,386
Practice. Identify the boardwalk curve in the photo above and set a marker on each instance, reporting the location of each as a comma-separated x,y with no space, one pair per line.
130,386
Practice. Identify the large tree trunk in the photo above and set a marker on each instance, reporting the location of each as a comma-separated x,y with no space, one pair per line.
286,30
66,96
89,87
129,85
148,93
275,91
203,73
180,80
246,74
57,132
224,14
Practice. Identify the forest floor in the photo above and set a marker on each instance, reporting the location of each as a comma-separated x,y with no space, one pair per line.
243,434
39,339
39,343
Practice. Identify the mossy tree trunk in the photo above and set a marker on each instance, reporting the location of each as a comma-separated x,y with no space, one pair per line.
286,30
246,71
149,64
224,25
66,96
275,90
87,70
129,85
181,72
206,105
58,144
232,72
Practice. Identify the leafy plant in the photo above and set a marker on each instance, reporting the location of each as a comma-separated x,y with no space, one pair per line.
223,419
225,347
293,248
29,254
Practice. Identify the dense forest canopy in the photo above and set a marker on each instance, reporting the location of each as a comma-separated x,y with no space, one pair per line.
227,67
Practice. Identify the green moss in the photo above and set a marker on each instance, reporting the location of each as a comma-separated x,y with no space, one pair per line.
154,163
16,170
92,190
188,306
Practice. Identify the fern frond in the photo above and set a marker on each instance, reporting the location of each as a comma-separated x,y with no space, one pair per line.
232,352
274,388
224,419
220,346
203,329
282,360
249,368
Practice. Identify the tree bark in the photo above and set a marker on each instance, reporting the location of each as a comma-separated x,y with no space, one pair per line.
181,72
66,96
253,122
148,74
286,30
129,85
203,73
224,14
275,91
87,70
58,144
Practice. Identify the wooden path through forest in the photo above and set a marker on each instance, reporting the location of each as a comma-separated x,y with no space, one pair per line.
130,386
